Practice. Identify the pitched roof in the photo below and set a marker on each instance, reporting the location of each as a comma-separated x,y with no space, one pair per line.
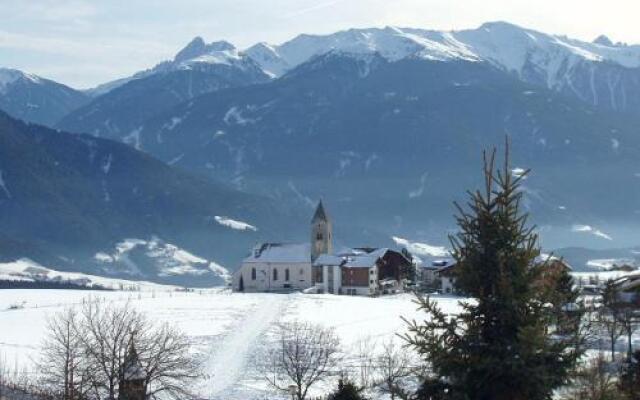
280,253
439,264
320,214
353,258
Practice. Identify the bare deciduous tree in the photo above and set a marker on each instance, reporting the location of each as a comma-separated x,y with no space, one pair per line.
104,334
164,354
366,362
607,316
3,375
303,356
394,366
61,364
593,381
630,321
87,349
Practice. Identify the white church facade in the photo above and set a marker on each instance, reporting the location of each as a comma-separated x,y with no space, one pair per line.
283,267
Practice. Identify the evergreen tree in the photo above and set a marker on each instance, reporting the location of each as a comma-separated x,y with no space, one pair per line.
557,291
346,391
499,347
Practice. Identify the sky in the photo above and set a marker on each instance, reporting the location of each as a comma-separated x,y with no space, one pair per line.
83,43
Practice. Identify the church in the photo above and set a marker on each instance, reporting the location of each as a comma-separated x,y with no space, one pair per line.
316,267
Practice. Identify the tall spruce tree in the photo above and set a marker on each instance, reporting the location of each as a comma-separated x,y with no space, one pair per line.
499,347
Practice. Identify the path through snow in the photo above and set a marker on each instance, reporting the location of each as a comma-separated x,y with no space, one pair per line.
228,364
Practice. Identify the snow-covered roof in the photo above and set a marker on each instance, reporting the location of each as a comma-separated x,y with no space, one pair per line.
280,253
329,259
439,264
353,258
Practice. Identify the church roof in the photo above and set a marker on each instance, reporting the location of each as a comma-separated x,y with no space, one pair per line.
320,214
280,253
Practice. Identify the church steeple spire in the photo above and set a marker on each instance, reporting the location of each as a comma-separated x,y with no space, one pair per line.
321,233
320,214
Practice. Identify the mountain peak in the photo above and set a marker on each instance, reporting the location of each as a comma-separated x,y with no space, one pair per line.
8,76
195,48
500,25
603,40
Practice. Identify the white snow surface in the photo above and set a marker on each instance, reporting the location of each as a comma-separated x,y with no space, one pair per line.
591,230
610,263
228,331
280,253
27,270
234,224
422,249
505,45
170,259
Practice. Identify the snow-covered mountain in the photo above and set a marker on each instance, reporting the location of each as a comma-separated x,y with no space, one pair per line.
35,99
119,108
602,73
196,55
505,45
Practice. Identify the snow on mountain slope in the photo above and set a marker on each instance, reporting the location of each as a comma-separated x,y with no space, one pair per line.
130,257
505,45
197,55
422,249
25,269
591,230
233,224
35,99
510,47
9,76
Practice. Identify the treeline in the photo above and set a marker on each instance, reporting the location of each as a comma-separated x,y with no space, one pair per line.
47,284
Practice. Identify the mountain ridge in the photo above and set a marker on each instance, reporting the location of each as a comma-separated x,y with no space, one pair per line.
68,200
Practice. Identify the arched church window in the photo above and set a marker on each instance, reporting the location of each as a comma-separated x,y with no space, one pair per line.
275,274
286,274
253,274
319,236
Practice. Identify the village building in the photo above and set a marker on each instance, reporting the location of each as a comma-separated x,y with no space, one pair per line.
628,289
444,271
436,275
362,271
283,267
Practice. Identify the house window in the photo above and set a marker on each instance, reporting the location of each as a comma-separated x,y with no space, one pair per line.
275,274
253,274
286,274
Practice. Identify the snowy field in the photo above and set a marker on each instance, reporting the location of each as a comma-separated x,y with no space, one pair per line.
229,330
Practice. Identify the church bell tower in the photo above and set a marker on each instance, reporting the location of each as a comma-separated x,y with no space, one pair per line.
321,234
